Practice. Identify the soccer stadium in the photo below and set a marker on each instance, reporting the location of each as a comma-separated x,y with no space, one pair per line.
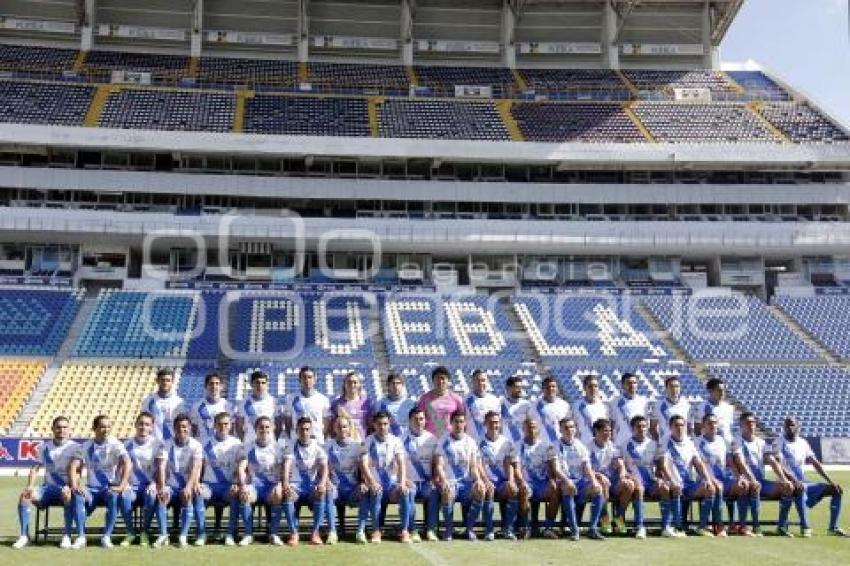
493,280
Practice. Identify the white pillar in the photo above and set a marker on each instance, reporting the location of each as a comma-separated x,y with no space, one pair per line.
303,30
197,28
87,26
508,38
609,41
406,33
710,57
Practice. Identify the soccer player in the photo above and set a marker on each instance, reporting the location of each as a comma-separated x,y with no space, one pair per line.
717,456
575,478
354,405
478,403
103,456
223,455
457,470
164,404
680,458
796,453
550,410
641,454
258,403
60,458
536,482
143,450
716,405
499,463
589,409
628,405
750,454
607,463
346,461
672,405
440,403
420,447
396,404
259,478
179,479
310,403
385,474
203,412
515,409
305,479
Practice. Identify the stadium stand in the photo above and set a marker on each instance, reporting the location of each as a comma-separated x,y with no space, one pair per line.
726,328
253,72
817,395
84,390
441,119
17,381
574,328
802,124
166,68
44,103
687,122
444,79
135,324
654,85
169,110
314,116
342,76
575,122
581,84
25,58
759,86
826,318
34,322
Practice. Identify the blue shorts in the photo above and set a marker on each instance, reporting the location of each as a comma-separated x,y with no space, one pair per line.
462,490
345,492
646,479
262,490
303,490
814,493
539,487
97,497
500,486
768,487
139,492
614,480
216,493
424,489
689,488
47,495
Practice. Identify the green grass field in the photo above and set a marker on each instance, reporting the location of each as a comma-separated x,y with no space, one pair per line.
820,549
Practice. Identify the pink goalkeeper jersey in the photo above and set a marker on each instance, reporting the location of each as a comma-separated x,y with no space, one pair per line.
438,411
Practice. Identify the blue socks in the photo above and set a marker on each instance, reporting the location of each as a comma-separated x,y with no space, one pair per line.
755,510
289,513
705,508
665,513
472,514
597,506
784,509
568,509
802,509
717,509
511,508
834,511
676,507
79,511
448,518
640,511
742,503
489,508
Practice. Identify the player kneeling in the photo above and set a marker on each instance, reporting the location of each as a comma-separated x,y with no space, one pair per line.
576,480
305,477
346,461
57,456
258,479
498,460
641,456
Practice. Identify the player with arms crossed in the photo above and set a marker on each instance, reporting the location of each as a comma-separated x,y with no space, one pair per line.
589,409
310,403
203,412
396,404
258,403
628,405
515,409
550,409
673,404
164,404
56,456
478,403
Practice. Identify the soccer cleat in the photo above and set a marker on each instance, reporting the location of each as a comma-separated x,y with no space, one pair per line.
404,537
79,543
201,541
275,541
806,533
508,535
183,541
757,532
550,534
681,534
316,539
746,531
129,540
247,540
333,538
838,532
106,542
22,541
575,536
229,541
415,537
641,533
490,536
65,542
376,537
431,536
618,524
161,541
292,539
144,540
784,532
721,532
471,536
668,532
360,537
594,534
703,532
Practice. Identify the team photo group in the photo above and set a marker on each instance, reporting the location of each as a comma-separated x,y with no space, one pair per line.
518,468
